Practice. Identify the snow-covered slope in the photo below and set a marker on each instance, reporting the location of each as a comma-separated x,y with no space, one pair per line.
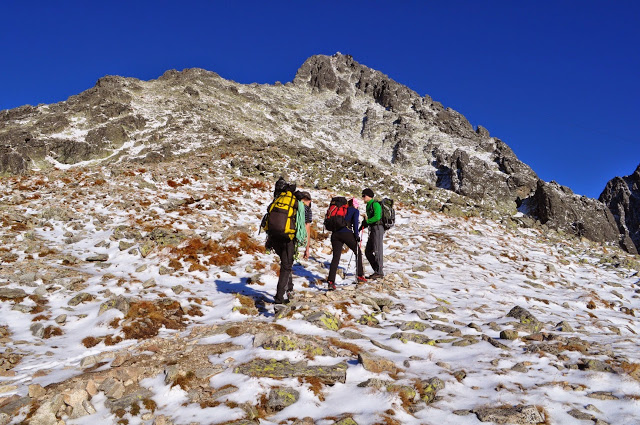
142,295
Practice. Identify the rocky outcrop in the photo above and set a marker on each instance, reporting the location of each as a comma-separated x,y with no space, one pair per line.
558,207
622,196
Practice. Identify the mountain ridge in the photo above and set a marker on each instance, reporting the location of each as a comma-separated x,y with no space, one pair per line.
333,103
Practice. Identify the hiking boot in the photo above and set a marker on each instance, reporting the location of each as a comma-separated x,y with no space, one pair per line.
331,286
375,276
279,302
361,279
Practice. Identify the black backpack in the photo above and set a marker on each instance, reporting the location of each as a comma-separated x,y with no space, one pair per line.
388,213
335,218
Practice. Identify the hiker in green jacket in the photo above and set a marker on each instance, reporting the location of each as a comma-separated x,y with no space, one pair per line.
373,249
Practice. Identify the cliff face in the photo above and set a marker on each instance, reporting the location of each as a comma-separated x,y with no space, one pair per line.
334,105
622,197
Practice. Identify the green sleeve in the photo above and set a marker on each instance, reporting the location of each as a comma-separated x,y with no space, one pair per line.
377,214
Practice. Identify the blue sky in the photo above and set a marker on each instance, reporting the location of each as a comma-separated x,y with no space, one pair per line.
558,81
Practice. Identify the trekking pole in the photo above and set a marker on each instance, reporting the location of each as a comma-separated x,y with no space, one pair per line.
348,265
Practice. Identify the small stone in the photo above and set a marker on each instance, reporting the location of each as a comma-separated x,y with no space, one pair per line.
45,415
280,398
520,367
460,375
352,335
141,268
112,388
592,408
37,330
124,245
475,326
149,283
98,258
162,420
164,271
513,415
91,388
36,391
509,334
384,347
7,388
595,365
376,364
564,327
430,388
177,289
12,293
88,361
61,319
580,415
602,395
146,249
80,298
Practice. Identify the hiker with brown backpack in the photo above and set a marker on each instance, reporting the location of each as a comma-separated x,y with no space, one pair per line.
342,220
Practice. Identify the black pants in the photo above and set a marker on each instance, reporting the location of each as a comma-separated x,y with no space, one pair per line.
337,240
285,250
373,250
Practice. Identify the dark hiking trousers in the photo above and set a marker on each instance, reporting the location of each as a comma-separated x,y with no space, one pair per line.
285,250
373,250
337,240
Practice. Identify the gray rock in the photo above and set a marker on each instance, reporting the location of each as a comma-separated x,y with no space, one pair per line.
595,365
324,320
417,338
124,245
557,207
280,398
112,388
45,415
527,320
120,303
98,258
37,330
583,416
509,334
430,388
149,283
564,327
284,369
622,196
80,298
12,293
603,395
521,415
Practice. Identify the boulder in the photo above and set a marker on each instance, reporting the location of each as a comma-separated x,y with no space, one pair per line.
622,196
557,207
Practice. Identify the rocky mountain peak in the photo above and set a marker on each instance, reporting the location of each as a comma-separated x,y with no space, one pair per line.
335,107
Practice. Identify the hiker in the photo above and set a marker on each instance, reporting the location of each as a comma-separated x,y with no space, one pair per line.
308,218
373,249
347,235
284,224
